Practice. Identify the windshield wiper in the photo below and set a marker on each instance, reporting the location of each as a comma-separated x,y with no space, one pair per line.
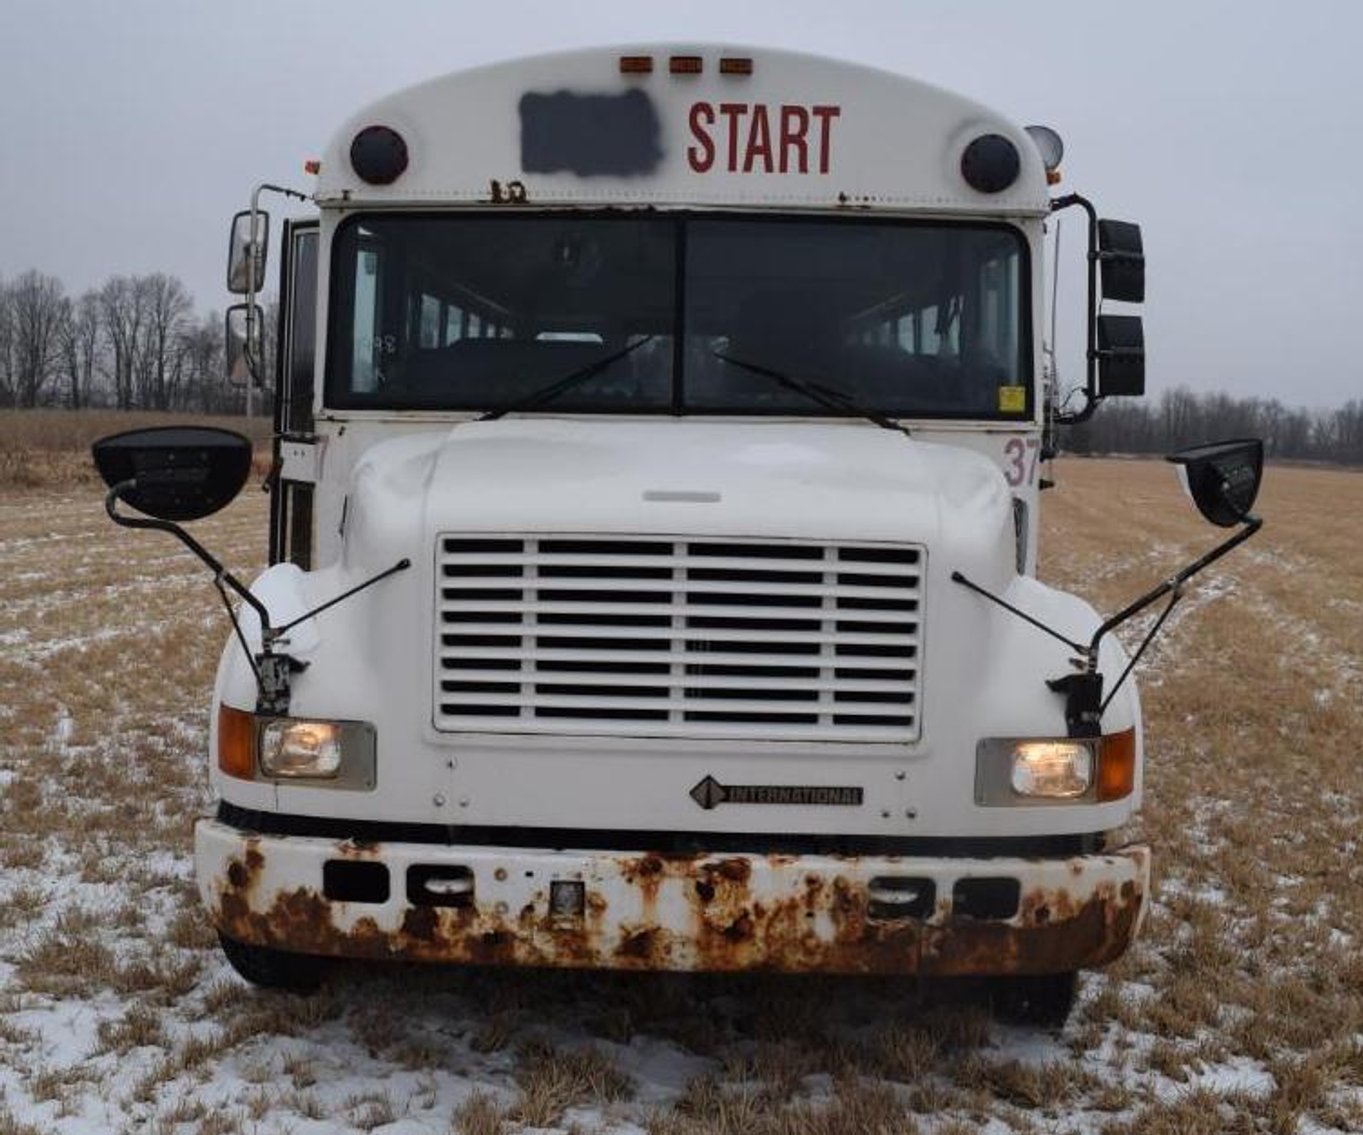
574,378
825,396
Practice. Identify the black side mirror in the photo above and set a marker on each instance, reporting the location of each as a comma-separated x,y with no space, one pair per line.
1222,478
1121,355
1121,257
175,473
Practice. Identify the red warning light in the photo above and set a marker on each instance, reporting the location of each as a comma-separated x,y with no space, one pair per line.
686,65
636,64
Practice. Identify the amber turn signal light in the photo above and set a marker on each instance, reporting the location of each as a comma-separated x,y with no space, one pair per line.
1117,765
236,742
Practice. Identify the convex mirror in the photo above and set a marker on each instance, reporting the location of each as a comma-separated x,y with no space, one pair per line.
244,337
246,253
175,472
1222,478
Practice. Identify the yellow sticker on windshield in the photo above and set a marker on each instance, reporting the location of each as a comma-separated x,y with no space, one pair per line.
1012,399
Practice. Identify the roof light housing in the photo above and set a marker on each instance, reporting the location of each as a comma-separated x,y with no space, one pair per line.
1049,144
378,154
991,163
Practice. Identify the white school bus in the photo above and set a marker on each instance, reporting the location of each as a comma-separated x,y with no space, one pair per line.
653,542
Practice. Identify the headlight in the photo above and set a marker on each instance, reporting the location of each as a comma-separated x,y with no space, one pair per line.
1051,768
330,754
1061,770
301,748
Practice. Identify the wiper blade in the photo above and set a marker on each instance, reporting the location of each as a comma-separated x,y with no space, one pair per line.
548,393
816,392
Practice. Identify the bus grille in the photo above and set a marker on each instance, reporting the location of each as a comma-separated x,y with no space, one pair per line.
678,638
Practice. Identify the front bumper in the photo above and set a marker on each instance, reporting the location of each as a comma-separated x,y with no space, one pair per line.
637,910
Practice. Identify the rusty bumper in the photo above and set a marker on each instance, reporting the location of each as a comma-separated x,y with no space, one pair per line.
645,911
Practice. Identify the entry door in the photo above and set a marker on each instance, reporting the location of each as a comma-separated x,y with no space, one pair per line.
297,454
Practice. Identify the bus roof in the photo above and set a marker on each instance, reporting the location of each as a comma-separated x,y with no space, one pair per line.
680,126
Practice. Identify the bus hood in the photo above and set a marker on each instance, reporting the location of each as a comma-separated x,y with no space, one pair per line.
780,480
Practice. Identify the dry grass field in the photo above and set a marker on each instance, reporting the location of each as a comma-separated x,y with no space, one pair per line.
1241,1009
50,448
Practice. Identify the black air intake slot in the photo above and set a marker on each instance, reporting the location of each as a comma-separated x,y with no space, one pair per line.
989,900
351,880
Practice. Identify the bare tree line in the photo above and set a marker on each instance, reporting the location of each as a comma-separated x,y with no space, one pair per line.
1179,418
134,343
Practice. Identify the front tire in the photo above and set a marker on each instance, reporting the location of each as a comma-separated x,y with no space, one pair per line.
1043,1000
274,969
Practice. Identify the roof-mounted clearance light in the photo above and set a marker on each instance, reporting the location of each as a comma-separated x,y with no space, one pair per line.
735,65
378,155
990,163
686,64
636,64
1051,148
312,166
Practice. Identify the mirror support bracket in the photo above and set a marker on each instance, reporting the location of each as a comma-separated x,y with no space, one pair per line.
252,363
1083,689
220,573
272,668
1091,396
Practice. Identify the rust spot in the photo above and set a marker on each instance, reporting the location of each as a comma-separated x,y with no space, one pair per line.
740,929
242,873
358,849
735,870
492,947
644,867
421,922
638,944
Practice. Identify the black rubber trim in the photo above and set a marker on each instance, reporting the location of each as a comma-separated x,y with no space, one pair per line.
673,842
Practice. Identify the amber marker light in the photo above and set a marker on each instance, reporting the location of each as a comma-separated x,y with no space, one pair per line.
636,64
1117,765
735,65
686,65
236,742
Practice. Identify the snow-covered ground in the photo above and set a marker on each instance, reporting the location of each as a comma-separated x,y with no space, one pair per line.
1242,1008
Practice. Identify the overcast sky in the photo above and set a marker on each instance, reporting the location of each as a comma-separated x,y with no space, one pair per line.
131,131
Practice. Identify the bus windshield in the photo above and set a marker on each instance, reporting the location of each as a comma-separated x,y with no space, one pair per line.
679,313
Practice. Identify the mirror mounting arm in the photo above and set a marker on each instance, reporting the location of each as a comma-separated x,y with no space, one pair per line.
1083,690
1174,583
210,561
1091,396
252,363
271,668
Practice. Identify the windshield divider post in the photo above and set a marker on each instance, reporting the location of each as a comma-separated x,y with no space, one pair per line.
678,383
